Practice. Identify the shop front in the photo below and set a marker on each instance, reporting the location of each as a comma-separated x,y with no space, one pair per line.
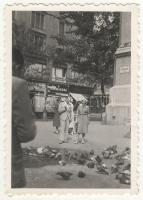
53,92
37,93
44,95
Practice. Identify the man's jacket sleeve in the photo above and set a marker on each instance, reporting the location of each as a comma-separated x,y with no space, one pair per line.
22,114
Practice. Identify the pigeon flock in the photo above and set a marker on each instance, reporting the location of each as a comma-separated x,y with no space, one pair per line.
120,162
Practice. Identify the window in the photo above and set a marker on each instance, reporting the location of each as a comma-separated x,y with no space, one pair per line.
61,28
53,73
37,20
64,73
58,74
38,41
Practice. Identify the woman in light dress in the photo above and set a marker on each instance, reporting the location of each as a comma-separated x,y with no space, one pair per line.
83,120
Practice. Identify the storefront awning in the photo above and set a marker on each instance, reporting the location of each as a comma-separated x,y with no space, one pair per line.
77,97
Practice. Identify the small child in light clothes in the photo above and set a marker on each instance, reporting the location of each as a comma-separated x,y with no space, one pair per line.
75,135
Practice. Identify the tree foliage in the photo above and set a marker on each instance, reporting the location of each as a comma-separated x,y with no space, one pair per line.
90,43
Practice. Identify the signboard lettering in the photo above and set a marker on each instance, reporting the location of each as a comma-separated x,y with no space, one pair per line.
124,69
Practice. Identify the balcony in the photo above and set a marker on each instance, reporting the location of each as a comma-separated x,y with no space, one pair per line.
79,82
59,80
73,81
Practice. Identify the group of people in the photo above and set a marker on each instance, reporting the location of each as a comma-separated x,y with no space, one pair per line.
68,122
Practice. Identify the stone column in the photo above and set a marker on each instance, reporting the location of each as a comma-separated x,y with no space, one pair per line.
118,110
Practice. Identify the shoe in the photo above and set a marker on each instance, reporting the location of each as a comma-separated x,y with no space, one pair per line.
75,142
82,141
61,142
56,132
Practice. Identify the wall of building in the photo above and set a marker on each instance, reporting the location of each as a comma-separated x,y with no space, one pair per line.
41,68
125,27
51,24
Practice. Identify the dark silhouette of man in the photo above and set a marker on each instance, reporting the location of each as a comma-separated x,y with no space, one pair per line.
23,127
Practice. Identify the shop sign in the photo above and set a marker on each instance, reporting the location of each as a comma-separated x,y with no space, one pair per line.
56,88
36,86
124,69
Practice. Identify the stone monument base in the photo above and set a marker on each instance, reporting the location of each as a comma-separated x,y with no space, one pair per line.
118,111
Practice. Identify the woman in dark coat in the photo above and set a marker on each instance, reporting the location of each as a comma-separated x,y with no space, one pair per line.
56,119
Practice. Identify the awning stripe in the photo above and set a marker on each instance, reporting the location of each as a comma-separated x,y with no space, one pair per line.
77,97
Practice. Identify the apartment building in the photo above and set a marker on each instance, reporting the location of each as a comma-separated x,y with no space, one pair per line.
46,78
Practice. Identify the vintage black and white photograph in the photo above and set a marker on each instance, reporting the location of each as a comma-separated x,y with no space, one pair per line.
71,99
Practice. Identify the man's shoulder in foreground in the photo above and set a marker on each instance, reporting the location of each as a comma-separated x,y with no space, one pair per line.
18,82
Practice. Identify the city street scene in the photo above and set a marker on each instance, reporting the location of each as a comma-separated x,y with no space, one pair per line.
71,99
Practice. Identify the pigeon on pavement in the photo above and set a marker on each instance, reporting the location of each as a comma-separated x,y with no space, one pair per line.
91,164
81,174
62,162
64,175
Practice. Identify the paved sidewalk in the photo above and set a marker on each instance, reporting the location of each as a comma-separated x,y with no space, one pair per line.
99,137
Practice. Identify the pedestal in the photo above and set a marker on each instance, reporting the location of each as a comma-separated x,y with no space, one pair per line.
118,110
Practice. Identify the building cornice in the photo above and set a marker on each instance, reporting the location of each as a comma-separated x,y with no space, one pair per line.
123,51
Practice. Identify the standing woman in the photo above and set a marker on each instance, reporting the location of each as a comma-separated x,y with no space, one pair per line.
56,119
83,119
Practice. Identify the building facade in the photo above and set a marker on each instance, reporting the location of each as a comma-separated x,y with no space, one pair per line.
36,32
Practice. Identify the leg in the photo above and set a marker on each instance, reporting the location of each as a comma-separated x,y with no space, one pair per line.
57,130
62,130
66,130
75,134
75,138
83,139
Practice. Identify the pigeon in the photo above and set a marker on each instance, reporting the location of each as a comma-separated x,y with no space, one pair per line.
102,169
114,169
45,150
62,162
109,152
67,154
92,158
127,167
124,177
106,154
54,151
91,152
84,155
127,150
98,159
90,164
64,175
58,156
72,157
81,161
40,150
81,174
52,155
120,162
